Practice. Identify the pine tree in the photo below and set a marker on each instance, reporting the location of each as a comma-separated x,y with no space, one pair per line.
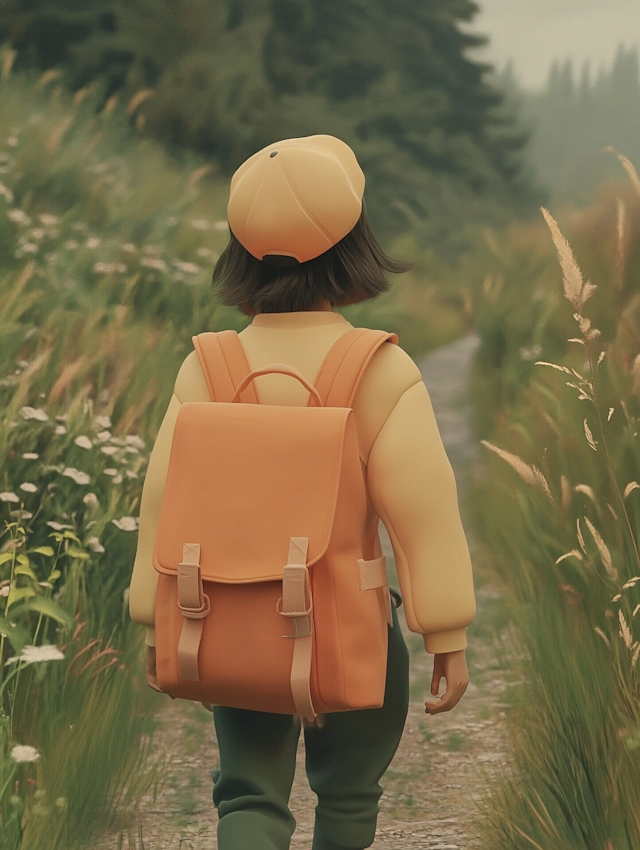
390,77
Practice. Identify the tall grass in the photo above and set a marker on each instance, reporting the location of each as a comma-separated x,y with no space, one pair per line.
560,518
106,251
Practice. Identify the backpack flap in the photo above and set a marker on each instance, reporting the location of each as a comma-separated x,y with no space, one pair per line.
243,479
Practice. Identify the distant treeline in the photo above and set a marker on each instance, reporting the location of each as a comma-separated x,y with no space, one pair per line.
574,117
226,77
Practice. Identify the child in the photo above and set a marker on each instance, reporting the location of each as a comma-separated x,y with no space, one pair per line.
299,246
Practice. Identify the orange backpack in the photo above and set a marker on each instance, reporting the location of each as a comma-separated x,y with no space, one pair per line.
272,589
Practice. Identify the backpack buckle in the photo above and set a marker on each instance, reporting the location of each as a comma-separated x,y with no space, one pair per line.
296,602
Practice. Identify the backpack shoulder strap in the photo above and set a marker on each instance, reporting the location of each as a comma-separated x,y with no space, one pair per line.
339,375
224,364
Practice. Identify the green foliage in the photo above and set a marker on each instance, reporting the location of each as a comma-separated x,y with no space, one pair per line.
226,78
555,506
107,248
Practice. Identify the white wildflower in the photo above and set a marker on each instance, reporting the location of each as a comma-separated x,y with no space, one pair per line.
187,268
134,440
6,193
110,471
71,245
110,268
9,497
90,499
103,435
109,450
205,252
24,753
103,421
35,654
6,590
60,429
92,242
19,217
132,450
154,263
28,487
30,456
48,220
37,233
129,247
13,141
57,526
202,224
131,474
33,413
95,545
530,353
125,523
220,225
83,441
22,514
78,476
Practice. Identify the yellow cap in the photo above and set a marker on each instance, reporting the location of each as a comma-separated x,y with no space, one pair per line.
296,198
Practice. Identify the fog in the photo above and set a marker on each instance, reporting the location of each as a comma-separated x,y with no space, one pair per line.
533,34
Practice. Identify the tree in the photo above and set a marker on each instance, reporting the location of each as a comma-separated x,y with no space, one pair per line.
390,77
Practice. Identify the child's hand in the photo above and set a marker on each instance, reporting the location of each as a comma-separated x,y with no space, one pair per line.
453,667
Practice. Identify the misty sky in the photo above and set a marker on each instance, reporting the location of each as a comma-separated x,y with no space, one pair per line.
534,32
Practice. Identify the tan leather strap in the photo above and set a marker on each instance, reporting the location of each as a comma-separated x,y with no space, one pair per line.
373,575
297,604
195,606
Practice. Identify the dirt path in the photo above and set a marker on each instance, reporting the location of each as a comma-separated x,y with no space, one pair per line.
442,762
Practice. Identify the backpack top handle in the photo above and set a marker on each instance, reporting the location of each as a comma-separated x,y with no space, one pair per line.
282,369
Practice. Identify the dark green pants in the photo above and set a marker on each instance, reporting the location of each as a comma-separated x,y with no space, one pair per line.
345,761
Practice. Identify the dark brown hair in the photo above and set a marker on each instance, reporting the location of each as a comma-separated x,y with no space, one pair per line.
349,272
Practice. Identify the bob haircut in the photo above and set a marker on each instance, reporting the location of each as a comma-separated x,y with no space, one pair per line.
348,273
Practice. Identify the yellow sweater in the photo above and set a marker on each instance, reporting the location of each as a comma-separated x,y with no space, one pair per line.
410,480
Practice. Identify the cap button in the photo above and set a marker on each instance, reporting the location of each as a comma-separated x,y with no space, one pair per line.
272,154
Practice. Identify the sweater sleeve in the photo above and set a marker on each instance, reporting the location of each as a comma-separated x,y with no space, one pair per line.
413,491
142,592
